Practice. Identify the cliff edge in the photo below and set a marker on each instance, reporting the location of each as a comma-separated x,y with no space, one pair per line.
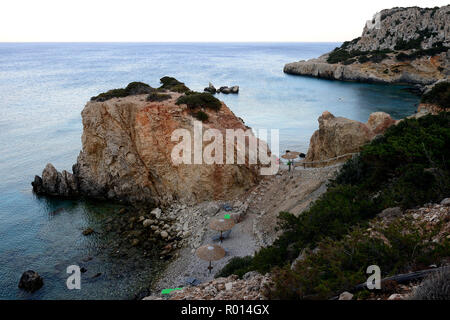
127,145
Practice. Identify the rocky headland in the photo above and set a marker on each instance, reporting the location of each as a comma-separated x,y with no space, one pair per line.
401,45
126,149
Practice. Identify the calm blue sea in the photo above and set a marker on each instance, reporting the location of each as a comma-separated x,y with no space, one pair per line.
43,88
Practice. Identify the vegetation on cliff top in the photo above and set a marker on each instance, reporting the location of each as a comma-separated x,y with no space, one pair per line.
132,88
158,97
172,84
199,100
408,166
346,56
341,55
337,266
135,88
439,95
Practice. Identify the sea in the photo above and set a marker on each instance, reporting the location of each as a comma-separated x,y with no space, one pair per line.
43,89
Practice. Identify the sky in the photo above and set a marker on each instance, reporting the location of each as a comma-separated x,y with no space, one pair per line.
190,20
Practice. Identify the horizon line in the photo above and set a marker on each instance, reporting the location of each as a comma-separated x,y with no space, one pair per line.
164,42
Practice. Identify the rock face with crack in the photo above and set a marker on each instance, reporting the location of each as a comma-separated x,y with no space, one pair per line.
126,155
338,136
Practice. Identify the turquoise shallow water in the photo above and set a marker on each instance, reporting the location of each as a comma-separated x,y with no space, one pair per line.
43,88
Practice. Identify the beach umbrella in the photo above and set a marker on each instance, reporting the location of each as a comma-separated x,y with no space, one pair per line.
290,155
221,224
210,252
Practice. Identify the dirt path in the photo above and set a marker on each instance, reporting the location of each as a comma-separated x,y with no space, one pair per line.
288,191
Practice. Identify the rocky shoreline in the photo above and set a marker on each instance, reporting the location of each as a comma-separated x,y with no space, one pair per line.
401,45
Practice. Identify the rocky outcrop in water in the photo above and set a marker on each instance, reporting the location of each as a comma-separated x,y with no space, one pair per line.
402,45
126,155
338,136
226,90
31,281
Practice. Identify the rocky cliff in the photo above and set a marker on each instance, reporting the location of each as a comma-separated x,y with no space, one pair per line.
126,154
400,45
338,136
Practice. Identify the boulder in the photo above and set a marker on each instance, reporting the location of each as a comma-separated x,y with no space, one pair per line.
211,209
345,296
249,275
338,136
31,281
55,183
234,89
446,202
147,223
396,296
379,121
211,89
156,212
164,234
391,213
225,90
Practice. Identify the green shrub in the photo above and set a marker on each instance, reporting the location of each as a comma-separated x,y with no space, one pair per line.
407,45
237,265
349,61
135,88
338,55
113,93
439,95
414,43
403,56
346,44
199,100
172,84
377,57
158,97
202,116
132,88
337,266
435,50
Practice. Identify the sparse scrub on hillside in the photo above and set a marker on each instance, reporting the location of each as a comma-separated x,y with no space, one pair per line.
201,115
341,55
158,97
172,84
337,266
439,95
408,166
237,265
133,88
199,100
